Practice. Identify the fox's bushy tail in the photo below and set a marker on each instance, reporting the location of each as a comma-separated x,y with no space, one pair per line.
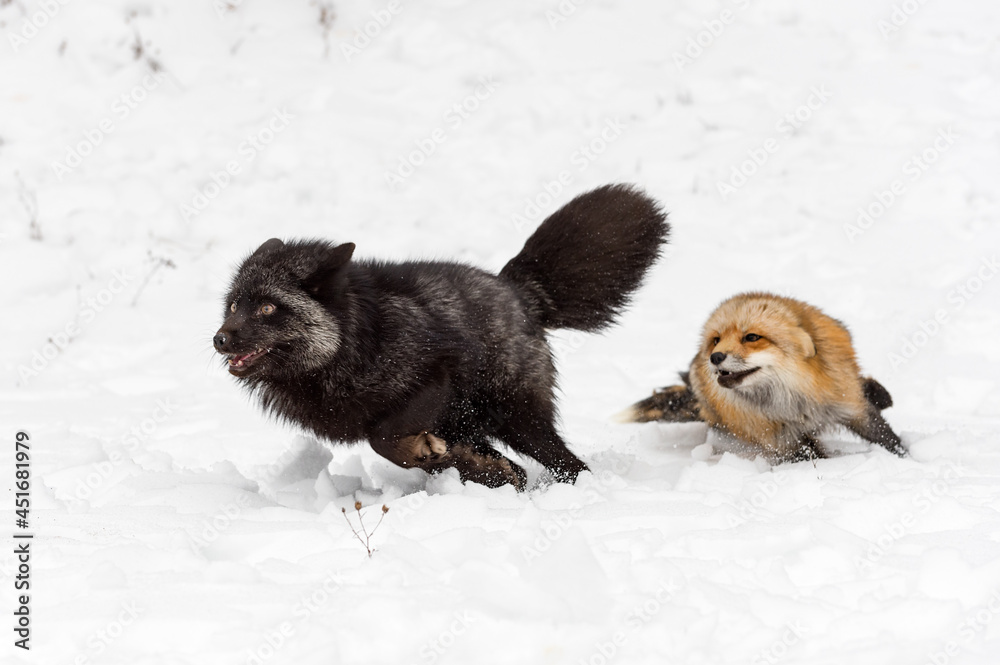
579,268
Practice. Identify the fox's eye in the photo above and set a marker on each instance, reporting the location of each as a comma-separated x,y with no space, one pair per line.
232,308
751,337
715,341
267,309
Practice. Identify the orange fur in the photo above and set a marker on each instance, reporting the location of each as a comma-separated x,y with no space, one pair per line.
774,372
808,377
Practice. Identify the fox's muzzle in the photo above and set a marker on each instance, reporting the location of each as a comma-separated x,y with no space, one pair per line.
221,341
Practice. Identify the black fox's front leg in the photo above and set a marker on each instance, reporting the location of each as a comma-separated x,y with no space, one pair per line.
673,404
873,427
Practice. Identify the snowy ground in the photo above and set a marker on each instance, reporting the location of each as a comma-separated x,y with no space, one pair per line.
174,524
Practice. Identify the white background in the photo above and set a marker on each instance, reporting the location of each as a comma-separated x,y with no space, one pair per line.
217,528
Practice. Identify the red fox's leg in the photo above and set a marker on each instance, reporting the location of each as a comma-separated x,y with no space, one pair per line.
808,448
873,427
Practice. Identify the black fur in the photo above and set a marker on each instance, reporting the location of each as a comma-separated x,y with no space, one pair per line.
876,393
581,266
431,361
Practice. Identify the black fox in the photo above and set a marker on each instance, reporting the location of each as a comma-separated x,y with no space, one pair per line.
431,361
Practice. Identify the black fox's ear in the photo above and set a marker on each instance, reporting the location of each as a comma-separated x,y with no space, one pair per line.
328,278
341,254
269,246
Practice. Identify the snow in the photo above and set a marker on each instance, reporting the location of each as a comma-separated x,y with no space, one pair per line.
175,524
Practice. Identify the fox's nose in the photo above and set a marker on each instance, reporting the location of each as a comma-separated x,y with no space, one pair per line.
220,340
716,357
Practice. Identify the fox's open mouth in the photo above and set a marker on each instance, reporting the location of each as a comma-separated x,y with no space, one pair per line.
733,379
241,362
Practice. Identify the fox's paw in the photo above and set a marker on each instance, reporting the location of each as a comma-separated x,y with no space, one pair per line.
513,474
486,467
429,448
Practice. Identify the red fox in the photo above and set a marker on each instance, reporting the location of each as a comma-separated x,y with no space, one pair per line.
774,372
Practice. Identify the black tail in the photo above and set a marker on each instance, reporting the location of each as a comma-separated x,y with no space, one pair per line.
875,393
580,267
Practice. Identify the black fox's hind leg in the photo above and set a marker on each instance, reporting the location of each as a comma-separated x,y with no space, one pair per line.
540,441
412,437
482,464
415,450
529,428
477,463
873,427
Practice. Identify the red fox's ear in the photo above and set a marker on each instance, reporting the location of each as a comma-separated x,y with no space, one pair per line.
804,342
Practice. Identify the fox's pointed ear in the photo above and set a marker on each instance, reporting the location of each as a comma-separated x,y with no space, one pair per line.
328,278
269,246
341,254
804,342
